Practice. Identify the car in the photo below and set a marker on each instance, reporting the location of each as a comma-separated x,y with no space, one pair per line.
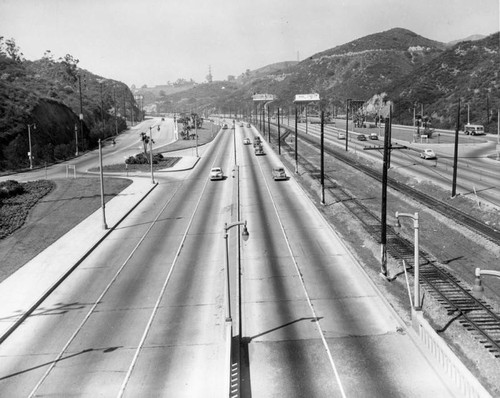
259,150
216,173
246,141
279,173
373,136
257,142
224,127
341,136
428,154
249,125
361,137
241,124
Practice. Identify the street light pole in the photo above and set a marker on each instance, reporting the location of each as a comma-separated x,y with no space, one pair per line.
103,204
416,259
245,235
30,156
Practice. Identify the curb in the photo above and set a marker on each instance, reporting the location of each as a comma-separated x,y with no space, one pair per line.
60,279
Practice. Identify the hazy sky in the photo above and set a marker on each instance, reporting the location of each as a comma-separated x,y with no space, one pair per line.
155,41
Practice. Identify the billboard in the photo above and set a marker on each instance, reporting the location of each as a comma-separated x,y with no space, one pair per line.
263,97
306,97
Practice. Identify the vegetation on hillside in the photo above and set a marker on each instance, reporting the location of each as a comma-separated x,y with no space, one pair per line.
413,71
48,95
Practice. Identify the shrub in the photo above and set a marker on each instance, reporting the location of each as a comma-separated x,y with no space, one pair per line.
10,188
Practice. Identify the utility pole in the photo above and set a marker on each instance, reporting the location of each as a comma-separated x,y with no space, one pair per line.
81,112
385,170
455,155
279,133
322,157
347,124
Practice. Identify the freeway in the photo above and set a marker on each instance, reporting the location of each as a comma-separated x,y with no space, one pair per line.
477,170
143,314
127,144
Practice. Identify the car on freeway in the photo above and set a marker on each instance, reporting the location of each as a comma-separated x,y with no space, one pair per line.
249,125
259,150
279,173
341,136
224,127
257,142
216,173
373,136
246,141
428,154
361,137
241,124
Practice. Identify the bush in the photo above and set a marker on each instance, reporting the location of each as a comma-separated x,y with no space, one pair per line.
10,188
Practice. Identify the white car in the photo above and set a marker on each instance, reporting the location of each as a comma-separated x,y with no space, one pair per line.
216,173
246,141
428,154
341,136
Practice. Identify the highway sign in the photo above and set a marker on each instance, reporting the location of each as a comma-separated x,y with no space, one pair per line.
263,97
306,97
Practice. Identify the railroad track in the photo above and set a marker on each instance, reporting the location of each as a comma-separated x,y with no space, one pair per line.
458,300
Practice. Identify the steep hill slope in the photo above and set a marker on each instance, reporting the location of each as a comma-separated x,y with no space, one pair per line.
469,71
46,93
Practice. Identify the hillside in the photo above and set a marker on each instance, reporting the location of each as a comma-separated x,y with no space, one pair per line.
469,71
410,68
45,94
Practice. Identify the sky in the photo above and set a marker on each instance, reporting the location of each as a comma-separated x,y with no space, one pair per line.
154,42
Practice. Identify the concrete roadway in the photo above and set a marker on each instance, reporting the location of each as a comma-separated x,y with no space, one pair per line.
143,315
312,323
477,173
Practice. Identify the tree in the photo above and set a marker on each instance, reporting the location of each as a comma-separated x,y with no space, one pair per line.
71,67
145,141
9,48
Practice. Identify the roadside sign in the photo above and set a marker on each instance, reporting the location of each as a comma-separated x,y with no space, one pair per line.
306,97
263,97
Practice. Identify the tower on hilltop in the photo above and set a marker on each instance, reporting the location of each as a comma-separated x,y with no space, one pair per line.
209,76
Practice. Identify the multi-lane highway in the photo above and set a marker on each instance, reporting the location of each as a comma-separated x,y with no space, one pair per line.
144,315
477,167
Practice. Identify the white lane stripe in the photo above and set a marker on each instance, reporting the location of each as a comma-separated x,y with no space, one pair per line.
299,274
99,299
163,289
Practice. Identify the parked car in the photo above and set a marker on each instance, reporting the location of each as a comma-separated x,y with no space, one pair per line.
373,136
246,141
428,154
361,137
279,173
216,173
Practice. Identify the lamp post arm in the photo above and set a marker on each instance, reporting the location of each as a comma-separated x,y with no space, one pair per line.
234,224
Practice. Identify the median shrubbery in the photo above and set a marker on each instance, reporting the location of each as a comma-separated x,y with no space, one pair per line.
10,188
16,200
141,158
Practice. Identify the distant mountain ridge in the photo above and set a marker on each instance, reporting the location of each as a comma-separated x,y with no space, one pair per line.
468,38
408,67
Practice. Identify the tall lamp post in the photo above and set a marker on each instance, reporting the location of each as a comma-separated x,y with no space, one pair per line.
416,260
30,156
245,236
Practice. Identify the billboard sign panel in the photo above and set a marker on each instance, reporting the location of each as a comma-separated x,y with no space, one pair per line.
263,97
306,97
